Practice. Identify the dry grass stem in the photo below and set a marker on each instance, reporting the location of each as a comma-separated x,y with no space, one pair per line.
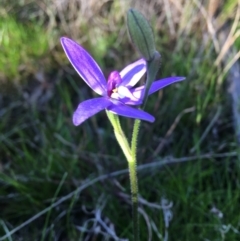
170,130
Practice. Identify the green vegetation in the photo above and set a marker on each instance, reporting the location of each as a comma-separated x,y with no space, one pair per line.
21,44
189,156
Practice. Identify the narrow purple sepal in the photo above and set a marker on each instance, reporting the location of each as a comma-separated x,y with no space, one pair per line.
159,84
130,112
133,73
85,65
156,85
89,108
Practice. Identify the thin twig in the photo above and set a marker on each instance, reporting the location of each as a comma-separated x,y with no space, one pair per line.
171,129
209,127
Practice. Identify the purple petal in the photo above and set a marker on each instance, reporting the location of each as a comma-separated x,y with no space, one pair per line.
130,112
133,73
125,92
89,108
128,101
156,85
129,98
85,65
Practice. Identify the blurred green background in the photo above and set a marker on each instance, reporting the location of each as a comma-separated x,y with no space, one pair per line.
59,182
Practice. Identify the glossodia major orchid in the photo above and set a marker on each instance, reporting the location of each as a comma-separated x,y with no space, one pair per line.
117,92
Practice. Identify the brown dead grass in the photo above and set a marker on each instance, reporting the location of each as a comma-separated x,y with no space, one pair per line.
85,21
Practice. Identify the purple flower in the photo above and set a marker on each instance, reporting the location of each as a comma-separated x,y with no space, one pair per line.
117,92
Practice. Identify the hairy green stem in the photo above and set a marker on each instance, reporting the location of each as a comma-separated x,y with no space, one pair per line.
133,179
135,138
120,136
131,156
134,196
